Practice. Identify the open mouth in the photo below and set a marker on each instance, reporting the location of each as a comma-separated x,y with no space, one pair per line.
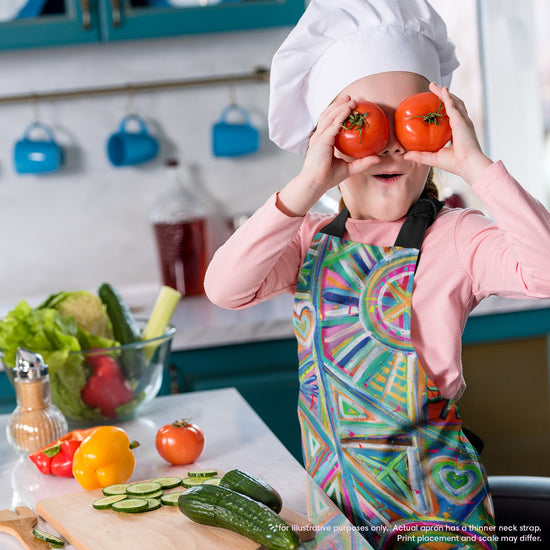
388,177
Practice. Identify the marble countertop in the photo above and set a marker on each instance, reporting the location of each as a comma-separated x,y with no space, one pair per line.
201,324
235,436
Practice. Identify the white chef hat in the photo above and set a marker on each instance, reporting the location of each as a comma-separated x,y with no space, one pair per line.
337,42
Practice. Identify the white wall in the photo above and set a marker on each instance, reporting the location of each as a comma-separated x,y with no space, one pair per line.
89,223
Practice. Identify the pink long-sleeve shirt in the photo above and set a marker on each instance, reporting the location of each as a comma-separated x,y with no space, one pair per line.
466,256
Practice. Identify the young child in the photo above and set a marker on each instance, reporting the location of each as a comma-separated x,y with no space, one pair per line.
379,332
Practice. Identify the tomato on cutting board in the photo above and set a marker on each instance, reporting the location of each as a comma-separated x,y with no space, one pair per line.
180,442
421,123
365,132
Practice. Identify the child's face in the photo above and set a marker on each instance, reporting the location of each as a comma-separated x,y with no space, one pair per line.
370,195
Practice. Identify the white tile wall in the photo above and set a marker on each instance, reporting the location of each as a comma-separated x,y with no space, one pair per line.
89,223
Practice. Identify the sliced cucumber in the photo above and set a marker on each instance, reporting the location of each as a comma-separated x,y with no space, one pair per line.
156,494
48,537
104,503
152,504
203,473
119,489
167,482
193,481
212,481
171,499
143,489
131,505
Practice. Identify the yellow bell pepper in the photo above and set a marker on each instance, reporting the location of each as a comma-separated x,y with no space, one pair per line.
104,458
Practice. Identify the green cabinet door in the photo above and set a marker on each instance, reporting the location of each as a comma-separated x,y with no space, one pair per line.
59,22
131,19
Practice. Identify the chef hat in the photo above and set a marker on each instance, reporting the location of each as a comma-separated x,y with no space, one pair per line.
337,42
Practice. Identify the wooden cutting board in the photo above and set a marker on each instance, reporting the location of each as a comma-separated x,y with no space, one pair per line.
89,529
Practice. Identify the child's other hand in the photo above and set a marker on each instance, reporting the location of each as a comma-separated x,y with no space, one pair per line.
322,170
463,156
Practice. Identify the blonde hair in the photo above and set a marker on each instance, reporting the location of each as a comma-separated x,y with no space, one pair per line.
430,190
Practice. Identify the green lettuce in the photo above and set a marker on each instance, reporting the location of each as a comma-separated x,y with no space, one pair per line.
56,337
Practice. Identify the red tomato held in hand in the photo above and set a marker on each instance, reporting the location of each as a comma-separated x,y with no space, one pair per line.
421,123
180,442
365,132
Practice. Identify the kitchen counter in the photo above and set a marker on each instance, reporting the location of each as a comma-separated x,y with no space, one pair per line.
235,438
200,324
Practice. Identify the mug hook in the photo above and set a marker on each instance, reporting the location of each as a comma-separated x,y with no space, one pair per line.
33,98
130,100
232,91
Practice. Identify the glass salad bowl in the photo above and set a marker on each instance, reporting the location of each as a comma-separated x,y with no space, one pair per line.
106,385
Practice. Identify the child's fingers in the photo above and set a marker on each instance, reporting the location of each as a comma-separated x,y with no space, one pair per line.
360,165
422,157
335,113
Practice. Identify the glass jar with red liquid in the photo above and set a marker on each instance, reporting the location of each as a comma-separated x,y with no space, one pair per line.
180,222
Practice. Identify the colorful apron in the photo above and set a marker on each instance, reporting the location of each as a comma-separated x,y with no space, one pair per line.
377,435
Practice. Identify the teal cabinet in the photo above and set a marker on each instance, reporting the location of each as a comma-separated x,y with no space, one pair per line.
64,22
265,374
61,22
156,18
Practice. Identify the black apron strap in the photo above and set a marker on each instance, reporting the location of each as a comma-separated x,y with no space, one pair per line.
337,226
419,217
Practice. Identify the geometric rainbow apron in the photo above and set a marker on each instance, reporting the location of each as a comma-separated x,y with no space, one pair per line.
378,437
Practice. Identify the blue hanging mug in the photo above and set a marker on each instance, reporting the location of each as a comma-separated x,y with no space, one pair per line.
37,156
231,139
126,148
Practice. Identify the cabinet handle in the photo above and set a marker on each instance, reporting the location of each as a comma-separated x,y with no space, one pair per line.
86,20
115,12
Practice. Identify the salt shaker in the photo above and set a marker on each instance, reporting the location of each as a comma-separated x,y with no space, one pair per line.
35,422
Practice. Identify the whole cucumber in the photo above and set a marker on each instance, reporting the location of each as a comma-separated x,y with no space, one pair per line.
252,487
222,507
125,330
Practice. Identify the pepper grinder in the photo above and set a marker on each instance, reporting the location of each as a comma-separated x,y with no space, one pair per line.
35,422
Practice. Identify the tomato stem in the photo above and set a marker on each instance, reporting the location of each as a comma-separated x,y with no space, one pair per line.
180,423
357,121
431,118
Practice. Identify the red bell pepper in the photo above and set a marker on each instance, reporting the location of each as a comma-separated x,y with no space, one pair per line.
107,388
57,458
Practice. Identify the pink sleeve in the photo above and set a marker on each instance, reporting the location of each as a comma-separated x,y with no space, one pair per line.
259,261
509,255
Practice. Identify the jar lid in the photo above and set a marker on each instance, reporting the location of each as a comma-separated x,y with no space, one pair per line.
29,365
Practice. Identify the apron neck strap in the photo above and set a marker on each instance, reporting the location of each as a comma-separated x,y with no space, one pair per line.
419,217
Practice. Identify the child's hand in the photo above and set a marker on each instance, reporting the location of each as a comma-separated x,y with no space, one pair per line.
322,170
463,156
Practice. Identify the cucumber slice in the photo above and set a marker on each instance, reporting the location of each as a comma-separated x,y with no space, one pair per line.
119,489
168,482
103,503
156,494
143,489
130,505
212,481
193,481
203,473
171,499
152,504
48,537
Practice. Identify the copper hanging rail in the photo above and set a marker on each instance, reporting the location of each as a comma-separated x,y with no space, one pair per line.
259,75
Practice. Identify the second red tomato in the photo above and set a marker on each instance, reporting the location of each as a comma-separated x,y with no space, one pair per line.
421,123
365,132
